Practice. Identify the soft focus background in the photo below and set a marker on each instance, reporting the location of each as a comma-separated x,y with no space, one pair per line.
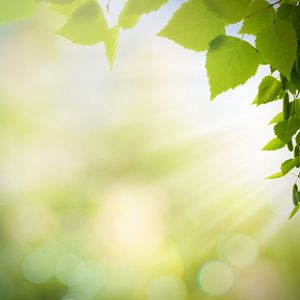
131,184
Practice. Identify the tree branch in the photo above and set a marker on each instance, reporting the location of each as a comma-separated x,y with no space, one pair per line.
271,5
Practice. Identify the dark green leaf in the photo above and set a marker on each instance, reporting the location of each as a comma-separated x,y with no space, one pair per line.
296,107
295,195
295,80
298,139
290,13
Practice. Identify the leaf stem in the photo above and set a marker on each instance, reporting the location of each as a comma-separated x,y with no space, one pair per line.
107,6
271,5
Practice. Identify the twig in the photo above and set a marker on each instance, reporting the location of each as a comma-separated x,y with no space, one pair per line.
263,9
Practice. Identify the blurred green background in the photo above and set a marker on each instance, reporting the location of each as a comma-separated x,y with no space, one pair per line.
131,184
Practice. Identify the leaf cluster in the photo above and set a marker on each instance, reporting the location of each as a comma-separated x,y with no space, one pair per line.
200,25
231,61
86,20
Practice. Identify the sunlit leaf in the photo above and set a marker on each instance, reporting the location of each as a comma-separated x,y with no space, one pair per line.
68,9
60,2
230,62
86,26
289,164
286,129
276,175
14,10
278,118
232,11
126,21
139,7
268,90
193,26
294,211
274,144
111,44
258,21
277,44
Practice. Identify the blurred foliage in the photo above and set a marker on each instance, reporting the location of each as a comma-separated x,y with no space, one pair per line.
108,189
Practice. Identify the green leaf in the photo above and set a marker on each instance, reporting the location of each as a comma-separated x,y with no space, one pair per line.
278,44
278,118
258,21
231,11
111,45
295,80
86,26
15,10
284,12
295,194
290,13
298,139
274,144
289,164
291,1
268,90
276,175
230,62
126,21
294,211
296,107
139,7
60,2
290,88
286,129
68,9
193,26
